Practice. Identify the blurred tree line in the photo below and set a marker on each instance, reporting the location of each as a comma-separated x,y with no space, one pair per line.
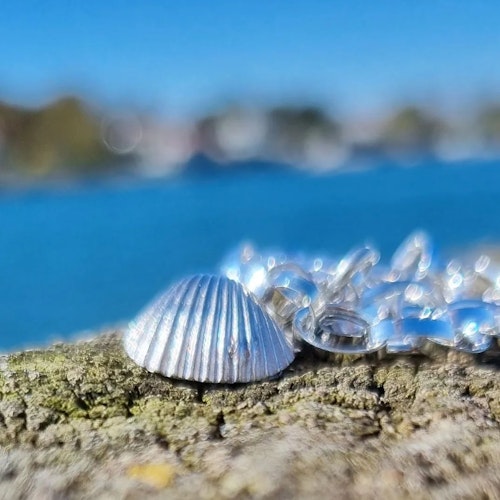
63,136
67,137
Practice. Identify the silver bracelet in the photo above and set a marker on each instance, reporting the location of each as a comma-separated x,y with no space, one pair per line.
248,323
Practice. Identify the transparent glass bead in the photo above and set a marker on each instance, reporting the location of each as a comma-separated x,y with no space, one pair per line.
474,324
290,288
250,268
334,329
415,258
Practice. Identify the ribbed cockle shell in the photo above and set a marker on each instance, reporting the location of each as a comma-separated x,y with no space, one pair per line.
208,329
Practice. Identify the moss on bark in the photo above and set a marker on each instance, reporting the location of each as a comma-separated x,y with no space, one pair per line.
82,421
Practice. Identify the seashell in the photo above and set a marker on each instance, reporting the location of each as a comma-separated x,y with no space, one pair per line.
208,329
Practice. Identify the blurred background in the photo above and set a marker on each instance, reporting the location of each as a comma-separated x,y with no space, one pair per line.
142,141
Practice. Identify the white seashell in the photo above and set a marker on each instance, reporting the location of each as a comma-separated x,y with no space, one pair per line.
208,329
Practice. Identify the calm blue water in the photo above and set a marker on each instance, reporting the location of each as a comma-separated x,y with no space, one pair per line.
78,258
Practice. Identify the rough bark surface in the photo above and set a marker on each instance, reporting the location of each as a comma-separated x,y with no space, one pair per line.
82,421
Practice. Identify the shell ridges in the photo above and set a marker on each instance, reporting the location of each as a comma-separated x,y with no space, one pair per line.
208,329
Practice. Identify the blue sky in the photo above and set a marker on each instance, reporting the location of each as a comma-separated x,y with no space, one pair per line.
183,56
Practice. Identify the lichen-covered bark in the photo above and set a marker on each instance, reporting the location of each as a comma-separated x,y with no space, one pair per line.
82,421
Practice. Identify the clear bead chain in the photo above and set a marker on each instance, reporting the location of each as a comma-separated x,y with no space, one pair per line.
356,305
